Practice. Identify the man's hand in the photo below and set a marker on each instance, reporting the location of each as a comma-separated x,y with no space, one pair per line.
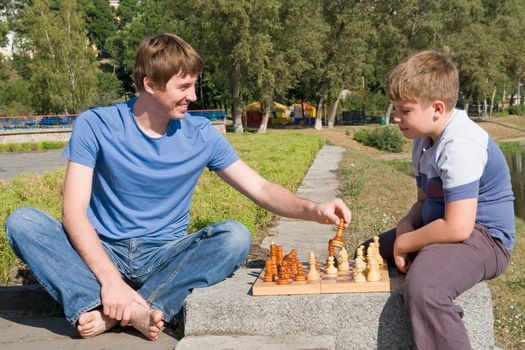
330,212
117,298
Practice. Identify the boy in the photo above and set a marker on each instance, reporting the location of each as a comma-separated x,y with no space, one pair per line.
460,231
122,253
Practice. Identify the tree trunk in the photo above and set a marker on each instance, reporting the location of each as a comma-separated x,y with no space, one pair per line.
485,108
388,112
492,102
266,116
319,117
465,106
236,89
331,122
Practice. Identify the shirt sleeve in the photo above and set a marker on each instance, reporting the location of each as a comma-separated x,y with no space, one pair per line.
461,165
223,155
83,145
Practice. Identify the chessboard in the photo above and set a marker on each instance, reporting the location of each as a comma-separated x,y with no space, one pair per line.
340,283
285,274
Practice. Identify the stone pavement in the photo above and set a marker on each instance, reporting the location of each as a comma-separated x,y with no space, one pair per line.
227,316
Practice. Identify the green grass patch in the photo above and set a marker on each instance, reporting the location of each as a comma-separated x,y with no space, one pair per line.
403,166
32,146
280,157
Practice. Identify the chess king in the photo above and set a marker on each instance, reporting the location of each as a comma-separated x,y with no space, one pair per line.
132,169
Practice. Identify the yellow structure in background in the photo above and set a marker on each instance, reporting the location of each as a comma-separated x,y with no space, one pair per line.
279,114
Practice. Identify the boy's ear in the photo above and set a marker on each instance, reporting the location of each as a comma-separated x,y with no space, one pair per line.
439,109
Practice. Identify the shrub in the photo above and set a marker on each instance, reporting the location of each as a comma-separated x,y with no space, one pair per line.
517,110
386,138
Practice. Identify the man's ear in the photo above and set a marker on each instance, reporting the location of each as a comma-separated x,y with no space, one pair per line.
149,84
439,109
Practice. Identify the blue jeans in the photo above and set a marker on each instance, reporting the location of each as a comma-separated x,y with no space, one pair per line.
163,272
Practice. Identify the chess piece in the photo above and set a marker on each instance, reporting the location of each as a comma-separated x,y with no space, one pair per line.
359,275
313,274
300,276
338,241
360,259
279,254
268,274
373,274
378,254
331,270
283,277
273,253
343,265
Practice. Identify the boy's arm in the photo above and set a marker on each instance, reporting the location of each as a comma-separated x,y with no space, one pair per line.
414,218
116,295
456,226
279,200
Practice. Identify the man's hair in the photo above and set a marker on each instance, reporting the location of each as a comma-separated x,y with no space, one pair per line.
425,76
162,56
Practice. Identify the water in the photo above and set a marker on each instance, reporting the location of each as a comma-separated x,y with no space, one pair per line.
517,173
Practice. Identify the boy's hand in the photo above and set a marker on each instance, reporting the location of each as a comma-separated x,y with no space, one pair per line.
401,259
117,298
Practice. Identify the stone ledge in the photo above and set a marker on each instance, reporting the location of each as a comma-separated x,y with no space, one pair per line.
355,320
251,342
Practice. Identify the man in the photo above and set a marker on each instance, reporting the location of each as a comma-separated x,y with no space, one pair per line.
123,254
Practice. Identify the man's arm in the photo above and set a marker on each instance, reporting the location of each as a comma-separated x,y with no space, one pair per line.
279,200
116,295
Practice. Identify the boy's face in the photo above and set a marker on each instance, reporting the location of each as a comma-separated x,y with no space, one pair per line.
175,98
415,119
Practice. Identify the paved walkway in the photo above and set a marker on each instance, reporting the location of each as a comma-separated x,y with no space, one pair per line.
13,164
43,333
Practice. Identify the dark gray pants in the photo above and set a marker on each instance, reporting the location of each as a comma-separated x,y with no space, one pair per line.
437,275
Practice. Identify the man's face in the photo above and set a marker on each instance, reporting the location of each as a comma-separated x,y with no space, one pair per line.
414,118
175,98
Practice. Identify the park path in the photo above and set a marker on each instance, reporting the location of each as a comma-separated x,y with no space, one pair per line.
13,164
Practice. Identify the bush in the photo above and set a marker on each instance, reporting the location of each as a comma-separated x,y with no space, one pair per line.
517,110
386,138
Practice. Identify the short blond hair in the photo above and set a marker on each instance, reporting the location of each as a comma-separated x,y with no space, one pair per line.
162,56
425,76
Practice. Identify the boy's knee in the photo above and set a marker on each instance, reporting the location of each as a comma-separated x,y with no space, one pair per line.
423,293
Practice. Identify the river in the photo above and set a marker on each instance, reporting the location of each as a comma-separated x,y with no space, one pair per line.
517,173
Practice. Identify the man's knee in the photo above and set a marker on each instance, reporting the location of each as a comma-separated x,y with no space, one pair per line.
236,237
20,223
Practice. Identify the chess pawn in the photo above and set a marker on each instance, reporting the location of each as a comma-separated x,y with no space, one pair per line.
359,275
331,270
360,259
378,254
279,254
268,274
338,241
299,276
343,264
313,273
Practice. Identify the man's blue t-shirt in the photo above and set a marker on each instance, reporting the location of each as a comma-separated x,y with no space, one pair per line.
466,163
143,186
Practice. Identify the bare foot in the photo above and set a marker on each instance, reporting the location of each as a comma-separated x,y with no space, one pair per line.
93,323
147,321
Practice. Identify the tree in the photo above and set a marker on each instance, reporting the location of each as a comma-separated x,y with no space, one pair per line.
100,23
63,67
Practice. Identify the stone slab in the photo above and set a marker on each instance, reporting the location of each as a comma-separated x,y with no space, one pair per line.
320,342
356,320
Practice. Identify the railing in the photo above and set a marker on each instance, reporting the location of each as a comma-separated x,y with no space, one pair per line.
67,120
37,121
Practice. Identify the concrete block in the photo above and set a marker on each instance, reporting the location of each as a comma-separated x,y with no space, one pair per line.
251,342
355,320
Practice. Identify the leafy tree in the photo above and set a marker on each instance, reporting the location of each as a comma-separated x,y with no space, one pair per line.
100,23
126,11
63,67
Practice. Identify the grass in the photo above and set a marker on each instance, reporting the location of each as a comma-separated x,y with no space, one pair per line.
31,146
282,158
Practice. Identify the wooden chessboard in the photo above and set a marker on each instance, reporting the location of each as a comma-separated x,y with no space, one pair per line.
343,283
